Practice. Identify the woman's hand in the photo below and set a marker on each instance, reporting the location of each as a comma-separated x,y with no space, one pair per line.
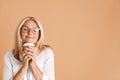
25,59
30,54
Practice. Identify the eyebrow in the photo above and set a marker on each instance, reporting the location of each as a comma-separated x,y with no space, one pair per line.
28,27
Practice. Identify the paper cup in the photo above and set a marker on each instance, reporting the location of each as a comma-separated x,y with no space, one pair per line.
28,44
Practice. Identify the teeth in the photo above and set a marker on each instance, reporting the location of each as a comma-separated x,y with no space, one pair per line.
28,44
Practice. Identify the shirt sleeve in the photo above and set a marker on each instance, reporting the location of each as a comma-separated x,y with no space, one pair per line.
7,72
48,69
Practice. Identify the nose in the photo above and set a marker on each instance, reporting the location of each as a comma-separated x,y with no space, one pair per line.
30,32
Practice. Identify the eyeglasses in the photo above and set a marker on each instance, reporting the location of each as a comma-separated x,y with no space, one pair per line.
26,30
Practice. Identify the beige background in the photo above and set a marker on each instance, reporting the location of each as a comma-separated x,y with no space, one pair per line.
85,35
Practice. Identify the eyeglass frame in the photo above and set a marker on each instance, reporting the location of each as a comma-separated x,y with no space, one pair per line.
29,29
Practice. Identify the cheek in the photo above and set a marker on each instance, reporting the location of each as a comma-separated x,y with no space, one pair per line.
36,37
23,36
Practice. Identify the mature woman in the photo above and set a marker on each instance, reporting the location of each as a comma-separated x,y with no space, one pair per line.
31,59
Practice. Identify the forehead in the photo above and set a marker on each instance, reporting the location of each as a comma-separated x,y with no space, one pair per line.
30,24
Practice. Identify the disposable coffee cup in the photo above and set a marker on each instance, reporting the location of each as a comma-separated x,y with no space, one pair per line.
28,44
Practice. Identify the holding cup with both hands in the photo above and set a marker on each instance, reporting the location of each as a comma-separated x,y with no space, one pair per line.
21,63
29,53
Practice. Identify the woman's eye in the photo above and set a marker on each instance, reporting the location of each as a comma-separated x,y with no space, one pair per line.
25,29
36,30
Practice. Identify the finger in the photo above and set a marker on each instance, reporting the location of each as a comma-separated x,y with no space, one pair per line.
24,54
31,56
27,59
29,50
23,49
30,53
32,48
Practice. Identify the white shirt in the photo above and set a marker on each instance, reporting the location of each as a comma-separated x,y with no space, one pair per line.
45,62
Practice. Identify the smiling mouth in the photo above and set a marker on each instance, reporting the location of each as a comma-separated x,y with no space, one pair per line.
29,37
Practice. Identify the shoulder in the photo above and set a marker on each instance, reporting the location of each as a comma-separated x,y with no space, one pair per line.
48,50
48,55
8,54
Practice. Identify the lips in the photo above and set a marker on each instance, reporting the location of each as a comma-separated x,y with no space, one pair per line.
29,37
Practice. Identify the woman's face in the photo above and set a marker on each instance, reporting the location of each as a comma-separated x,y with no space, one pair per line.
29,32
